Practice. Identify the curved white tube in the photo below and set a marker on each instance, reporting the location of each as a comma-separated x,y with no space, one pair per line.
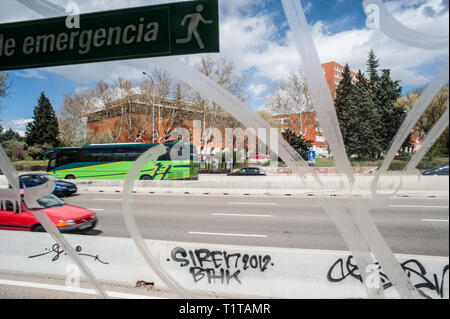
322,100
429,141
411,119
44,7
127,209
398,31
214,92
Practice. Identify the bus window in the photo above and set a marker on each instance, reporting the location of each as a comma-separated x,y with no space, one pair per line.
134,153
93,155
68,156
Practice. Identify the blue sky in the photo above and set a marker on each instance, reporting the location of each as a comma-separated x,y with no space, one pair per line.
255,35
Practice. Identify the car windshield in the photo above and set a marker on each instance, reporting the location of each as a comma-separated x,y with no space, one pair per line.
50,201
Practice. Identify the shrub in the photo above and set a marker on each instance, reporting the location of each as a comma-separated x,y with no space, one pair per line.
37,151
18,155
12,145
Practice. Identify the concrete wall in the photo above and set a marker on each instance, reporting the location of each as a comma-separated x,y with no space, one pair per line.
280,185
265,272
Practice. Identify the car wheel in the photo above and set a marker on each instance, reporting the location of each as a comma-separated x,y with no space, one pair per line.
146,178
39,229
70,177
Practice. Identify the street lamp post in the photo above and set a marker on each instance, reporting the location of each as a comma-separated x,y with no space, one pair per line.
153,107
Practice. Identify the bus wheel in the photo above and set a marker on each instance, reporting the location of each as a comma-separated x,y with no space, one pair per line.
146,178
70,177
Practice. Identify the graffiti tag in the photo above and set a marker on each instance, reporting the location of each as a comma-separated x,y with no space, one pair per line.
218,266
56,251
415,271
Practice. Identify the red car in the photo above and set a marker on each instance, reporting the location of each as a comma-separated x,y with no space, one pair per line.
65,217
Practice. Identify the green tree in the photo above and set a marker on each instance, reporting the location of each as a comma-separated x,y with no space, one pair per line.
11,135
4,86
298,143
372,68
430,117
360,117
13,145
343,94
37,151
44,127
391,116
368,113
1,134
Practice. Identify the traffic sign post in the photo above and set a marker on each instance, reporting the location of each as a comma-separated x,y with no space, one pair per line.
151,31
312,157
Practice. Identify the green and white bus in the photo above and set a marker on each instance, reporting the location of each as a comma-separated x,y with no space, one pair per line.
113,161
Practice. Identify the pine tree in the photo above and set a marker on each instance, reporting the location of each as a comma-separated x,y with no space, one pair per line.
4,86
343,93
10,135
391,117
1,135
372,68
359,118
44,128
298,143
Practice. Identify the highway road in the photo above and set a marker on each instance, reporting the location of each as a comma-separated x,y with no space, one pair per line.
409,225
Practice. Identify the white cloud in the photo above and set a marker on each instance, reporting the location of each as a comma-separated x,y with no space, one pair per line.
31,73
19,126
352,46
257,89
252,40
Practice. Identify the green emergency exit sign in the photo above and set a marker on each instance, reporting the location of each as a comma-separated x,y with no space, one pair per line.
151,31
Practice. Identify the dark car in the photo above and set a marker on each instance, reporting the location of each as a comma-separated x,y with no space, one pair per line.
443,170
62,188
249,171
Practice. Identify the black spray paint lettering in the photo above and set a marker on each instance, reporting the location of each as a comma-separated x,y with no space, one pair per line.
415,271
218,266
56,251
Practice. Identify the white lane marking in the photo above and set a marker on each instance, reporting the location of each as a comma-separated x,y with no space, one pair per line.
227,234
435,220
416,206
96,209
71,289
241,215
250,203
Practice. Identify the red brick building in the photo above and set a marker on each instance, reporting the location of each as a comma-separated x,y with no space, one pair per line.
334,73
306,125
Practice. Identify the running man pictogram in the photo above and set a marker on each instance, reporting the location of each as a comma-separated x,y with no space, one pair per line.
195,18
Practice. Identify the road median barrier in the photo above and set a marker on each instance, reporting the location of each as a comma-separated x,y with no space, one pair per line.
223,269
288,185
